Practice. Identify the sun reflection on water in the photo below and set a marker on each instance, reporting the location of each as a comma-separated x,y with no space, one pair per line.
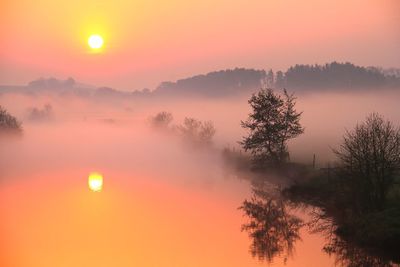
95,181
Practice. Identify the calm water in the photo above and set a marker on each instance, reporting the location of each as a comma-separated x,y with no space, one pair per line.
134,221
163,204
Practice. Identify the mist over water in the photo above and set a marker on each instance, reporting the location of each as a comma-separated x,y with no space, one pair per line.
161,195
121,138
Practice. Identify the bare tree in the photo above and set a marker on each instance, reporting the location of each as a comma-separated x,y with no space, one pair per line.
370,160
272,123
197,131
207,132
162,120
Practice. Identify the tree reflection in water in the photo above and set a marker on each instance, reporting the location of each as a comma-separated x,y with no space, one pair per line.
273,231
349,255
345,253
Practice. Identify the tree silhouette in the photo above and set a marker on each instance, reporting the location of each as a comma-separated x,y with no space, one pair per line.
272,123
280,80
196,131
370,160
270,79
8,123
162,120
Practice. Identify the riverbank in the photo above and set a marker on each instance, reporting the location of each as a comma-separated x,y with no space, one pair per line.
377,231
373,236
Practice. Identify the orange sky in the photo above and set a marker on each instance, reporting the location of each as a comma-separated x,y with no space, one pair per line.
148,41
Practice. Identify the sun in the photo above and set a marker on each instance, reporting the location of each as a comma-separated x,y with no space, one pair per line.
95,41
95,181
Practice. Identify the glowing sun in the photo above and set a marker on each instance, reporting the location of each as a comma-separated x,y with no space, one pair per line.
95,181
95,41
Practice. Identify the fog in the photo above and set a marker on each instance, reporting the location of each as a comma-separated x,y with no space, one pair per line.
152,178
118,134
327,116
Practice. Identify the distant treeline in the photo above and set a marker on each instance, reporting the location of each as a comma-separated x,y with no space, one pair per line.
299,77
218,83
52,83
331,76
334,75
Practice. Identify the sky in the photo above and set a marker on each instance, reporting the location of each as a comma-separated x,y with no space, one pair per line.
147,41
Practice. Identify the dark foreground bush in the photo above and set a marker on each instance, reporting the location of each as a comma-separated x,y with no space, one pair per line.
378,231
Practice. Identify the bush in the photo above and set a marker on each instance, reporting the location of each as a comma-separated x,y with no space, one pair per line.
38,114
162,120
370,161
197,131
8,123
